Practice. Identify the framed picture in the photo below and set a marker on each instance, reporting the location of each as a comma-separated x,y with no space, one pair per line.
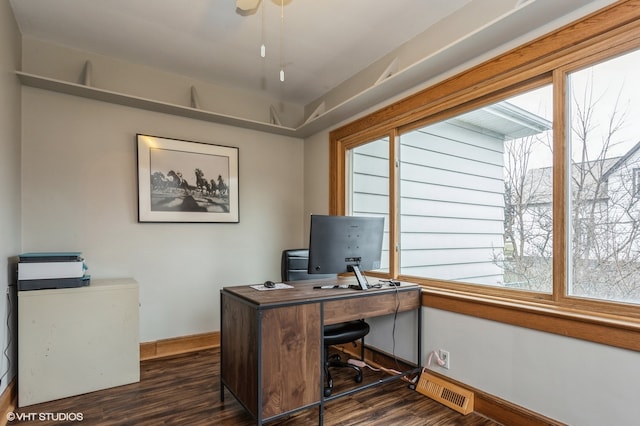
184,181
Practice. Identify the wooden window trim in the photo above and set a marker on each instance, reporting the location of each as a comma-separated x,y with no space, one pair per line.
544,59
613,330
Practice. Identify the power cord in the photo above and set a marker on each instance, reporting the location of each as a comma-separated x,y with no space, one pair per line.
395,284
362,364
9,338
439,360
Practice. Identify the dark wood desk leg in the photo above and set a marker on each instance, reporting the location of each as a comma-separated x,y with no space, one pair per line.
322,368
221,349
419,335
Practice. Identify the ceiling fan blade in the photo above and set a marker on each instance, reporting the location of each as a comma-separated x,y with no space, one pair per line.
247,7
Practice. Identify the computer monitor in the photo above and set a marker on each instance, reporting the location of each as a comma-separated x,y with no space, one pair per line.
339,244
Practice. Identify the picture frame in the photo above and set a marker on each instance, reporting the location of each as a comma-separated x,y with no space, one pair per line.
186,181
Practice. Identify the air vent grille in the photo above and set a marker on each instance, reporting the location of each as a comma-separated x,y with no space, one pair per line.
446,393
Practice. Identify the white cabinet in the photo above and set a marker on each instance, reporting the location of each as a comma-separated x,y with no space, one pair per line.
77,340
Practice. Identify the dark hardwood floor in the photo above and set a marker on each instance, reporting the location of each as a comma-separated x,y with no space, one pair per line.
185,390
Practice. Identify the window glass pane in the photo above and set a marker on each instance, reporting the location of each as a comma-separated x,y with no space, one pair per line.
605,159
368,190
475,196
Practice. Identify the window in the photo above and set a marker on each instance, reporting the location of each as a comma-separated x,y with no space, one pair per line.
511,190
475,196
369,186
605,158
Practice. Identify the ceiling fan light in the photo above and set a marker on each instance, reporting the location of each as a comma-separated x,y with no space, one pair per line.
263,51
282,74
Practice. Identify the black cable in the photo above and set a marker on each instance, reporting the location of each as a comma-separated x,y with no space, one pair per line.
395,284
6,349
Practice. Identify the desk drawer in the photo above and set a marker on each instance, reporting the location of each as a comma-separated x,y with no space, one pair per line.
337,311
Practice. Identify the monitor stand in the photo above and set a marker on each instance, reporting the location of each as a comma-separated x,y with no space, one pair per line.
362,280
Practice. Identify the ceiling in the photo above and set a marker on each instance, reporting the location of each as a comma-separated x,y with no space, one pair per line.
325,43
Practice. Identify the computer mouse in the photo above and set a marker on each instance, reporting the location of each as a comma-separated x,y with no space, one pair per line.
269,284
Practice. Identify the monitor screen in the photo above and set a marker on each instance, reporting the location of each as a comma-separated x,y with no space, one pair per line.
339,244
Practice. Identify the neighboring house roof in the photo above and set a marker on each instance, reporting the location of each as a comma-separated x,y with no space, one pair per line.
621,161
506,121
539,182
503,121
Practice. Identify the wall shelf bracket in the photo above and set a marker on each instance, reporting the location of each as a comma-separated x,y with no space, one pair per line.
87,74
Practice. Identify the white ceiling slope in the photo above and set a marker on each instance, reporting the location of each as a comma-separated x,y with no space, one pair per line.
340,56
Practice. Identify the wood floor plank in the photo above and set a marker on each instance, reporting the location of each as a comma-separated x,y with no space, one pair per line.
185,390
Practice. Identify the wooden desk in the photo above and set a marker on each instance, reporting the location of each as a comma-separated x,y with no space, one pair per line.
271,341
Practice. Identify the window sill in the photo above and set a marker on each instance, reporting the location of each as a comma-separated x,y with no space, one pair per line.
618,331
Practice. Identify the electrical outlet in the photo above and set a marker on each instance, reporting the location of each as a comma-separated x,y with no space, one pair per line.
446,358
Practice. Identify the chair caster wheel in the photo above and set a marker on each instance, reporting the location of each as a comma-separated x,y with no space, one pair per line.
327,392
359,378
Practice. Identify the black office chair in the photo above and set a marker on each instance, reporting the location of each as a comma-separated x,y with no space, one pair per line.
294,268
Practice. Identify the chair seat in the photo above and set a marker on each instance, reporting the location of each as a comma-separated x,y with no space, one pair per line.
346,332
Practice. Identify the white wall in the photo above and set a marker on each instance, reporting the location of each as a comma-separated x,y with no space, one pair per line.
570,380
79,193
10,187
316,178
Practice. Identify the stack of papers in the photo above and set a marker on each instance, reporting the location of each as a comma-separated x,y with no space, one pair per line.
278,286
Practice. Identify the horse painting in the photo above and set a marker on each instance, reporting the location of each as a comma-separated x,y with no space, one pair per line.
201,182
158,181
182,181
177,181
222,187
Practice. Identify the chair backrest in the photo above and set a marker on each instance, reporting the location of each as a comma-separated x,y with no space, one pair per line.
294,266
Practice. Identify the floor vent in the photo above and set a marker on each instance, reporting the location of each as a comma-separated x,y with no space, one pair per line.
446,393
